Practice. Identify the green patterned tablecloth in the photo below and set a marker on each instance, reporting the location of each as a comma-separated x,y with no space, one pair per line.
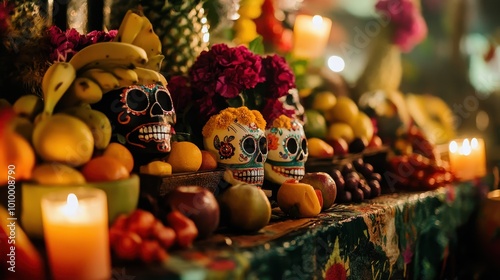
397,236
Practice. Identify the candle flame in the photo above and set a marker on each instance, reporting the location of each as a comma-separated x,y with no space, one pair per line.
465,149
317,21
453,147
71,205
474,144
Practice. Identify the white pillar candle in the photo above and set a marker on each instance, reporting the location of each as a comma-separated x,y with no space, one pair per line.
310,36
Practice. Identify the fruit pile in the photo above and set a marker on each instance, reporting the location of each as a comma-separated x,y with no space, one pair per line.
356,182
141,236
416,164
338,122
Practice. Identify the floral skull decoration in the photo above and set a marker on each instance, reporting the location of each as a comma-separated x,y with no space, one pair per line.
142,117
288,150
236,136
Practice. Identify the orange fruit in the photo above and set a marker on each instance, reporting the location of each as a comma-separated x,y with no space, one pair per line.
184,157
208,161
121,153
104,168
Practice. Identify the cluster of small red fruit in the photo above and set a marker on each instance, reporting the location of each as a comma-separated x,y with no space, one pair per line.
141,236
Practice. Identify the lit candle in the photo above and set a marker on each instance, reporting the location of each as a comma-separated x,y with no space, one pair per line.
310,36
76,234
467,158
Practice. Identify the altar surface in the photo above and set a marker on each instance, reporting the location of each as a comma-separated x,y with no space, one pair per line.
404,235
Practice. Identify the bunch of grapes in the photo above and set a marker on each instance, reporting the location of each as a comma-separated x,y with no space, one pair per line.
417,172
356,182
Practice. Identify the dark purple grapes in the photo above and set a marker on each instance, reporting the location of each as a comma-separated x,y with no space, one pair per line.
357,163
340,183
367,191
336,174
344,196
351,184
357,145
347,168
353,174
376,189
376,177
358,195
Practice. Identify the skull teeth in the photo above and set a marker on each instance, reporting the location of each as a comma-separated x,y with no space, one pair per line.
250,176
154,132
295,172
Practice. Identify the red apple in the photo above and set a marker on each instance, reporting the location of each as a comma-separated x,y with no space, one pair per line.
323,182
376,142
198,204
340,146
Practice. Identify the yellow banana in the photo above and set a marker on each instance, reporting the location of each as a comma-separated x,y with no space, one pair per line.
130,26
126,77
148,76
102,53
147,39
28,106
83,90
154,62
56,80
97,121
106,80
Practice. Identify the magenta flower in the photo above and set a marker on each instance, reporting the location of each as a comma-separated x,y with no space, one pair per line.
279,77
409,25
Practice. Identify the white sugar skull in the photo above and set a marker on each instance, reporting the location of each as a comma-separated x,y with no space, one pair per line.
143,116
291,101
236,136
288,150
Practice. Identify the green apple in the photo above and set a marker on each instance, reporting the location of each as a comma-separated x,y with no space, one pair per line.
315,125
244,207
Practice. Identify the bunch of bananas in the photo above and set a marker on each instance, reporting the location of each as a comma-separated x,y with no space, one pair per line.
62,127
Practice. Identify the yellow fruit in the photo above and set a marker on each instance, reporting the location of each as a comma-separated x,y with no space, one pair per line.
104,169
184,157
340,130
28,106
319,148
57,174
23,126
363,127
121,153
298,199
345,110
254,215
64,139
323,101
208,161
16,154
157,168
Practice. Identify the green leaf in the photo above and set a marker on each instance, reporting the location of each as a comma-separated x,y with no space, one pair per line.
257,45
121,139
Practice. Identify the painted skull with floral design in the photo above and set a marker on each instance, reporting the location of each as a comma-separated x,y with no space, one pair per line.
288,151
142,118
237,137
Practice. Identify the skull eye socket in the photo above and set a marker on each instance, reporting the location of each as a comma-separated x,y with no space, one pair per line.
163,98
137,101
291,145
249,145
304,146
263,145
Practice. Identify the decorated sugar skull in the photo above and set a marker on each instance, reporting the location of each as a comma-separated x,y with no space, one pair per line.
291,101
142,117
288,150
237,137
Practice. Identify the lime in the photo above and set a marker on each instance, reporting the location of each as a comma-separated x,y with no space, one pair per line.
315,125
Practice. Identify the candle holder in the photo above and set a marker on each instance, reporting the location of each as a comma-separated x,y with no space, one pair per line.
75,223
467,158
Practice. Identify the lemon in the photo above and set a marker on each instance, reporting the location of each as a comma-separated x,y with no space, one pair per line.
64,139
340,130
363,127
184,157
323,101
57,174
345,110
157,168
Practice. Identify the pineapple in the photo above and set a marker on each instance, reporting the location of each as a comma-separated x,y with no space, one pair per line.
181,25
